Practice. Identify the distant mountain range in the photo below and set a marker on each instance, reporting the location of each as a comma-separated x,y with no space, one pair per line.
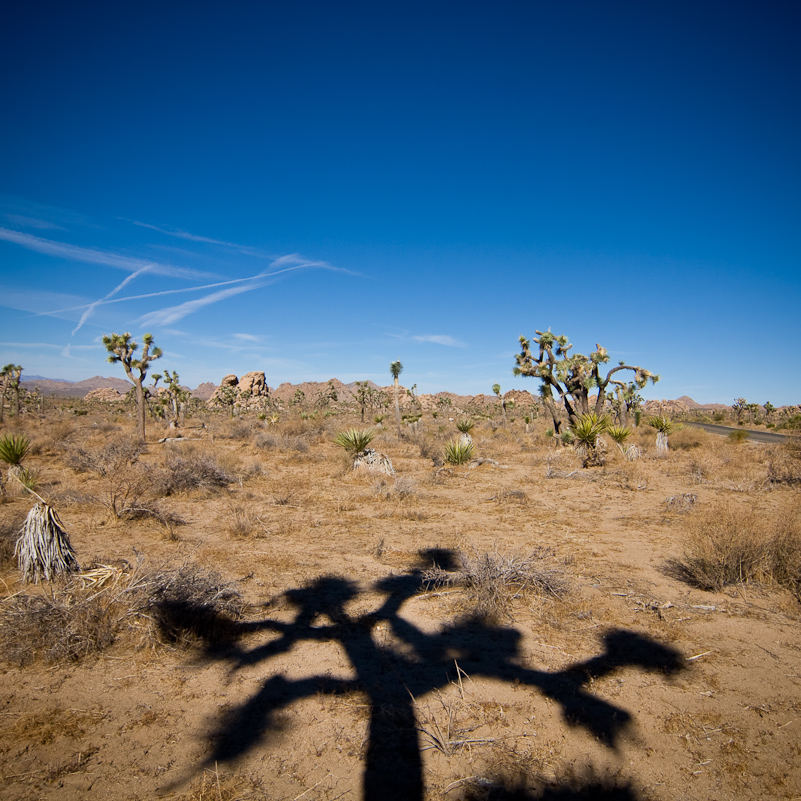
73,389
78,389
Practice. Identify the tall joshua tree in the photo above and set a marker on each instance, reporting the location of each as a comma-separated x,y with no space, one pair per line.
496,388
123,349
573,377
396,368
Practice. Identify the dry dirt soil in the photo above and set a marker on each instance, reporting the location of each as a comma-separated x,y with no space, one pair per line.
362,662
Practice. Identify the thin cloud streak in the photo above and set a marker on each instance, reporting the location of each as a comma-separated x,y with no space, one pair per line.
91,256
440,339
92,306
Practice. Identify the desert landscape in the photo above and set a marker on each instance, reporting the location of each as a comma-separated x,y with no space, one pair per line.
254,618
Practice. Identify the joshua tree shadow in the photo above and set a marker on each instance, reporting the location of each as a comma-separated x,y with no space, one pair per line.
391,679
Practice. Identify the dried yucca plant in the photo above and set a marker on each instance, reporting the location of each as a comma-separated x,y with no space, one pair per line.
43,549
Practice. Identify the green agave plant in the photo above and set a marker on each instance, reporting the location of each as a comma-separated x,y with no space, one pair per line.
588,427
459,452
619,433
353,440
14,448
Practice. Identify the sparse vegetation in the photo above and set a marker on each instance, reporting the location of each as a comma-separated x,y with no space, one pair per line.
458,452
353,440
520,591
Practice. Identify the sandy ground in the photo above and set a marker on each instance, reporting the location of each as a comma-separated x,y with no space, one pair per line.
351,677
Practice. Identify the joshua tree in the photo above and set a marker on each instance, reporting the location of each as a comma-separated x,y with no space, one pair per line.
573,377
587,430
769,410
496,388
663,426
11,375
739,406
396,368
122,349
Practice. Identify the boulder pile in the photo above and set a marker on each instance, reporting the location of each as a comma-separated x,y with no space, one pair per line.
105,394
248,392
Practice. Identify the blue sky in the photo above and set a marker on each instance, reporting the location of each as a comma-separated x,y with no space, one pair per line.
316,189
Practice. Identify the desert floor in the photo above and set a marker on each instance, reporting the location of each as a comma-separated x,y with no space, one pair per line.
360,663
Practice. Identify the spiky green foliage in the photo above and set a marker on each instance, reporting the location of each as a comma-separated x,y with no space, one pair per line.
588,427
122,349
465,425
619,434
573,377
353,440
457,452
664,425
14,448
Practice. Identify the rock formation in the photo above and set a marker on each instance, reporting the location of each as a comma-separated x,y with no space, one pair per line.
106,394
249,392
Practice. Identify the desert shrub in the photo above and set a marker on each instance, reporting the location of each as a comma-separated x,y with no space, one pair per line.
241,522
458,452
400,488
181,606
491,580
353,440
688,438
9,532
737,437
784,464
731,545
106,460
191,470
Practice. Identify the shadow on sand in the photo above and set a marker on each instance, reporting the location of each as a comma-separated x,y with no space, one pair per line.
391,680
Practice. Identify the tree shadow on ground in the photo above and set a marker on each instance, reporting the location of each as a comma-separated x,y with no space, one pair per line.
391,679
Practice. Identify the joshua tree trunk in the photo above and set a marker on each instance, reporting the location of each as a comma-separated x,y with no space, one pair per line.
397,408
662,443
3,397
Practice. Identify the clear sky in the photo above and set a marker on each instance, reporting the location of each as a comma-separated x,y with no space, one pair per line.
315,189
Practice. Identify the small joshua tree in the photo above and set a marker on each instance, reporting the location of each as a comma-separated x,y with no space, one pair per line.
123,349
663,426
396,368
10,374
496,388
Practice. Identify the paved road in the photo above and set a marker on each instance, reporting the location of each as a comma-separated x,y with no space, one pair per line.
753,436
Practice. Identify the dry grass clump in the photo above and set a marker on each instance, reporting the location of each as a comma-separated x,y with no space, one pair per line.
182,606
188,469
277,443
105,460
784,464
728,544
399,489
491,580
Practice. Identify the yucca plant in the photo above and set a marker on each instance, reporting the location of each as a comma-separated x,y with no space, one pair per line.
43,549
353,440
587,430
458,452
14,448
619,434
465,425
663,426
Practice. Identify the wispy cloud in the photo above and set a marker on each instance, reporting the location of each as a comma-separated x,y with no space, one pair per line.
92,306
32,222
440,339
91,256
173,314
247,337
183,234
